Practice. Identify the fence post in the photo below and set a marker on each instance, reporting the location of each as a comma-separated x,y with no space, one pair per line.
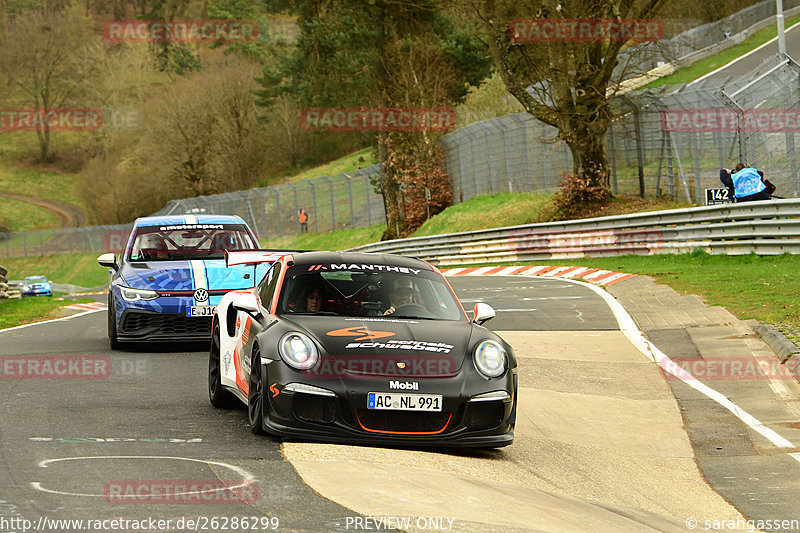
277,208
265,233
670,170
314,202
612,160
366,197
296,205
696,156
637,124
333,208
350,195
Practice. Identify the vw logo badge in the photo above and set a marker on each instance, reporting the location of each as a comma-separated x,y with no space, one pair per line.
201,295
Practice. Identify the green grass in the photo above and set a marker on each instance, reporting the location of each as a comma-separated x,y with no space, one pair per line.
337,240
22,216
36,182
75,269
345,164
24,310
709,64
490,211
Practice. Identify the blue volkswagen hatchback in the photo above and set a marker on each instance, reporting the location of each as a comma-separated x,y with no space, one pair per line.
167,281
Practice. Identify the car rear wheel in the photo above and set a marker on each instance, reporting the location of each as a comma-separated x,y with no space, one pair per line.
255,396
218,396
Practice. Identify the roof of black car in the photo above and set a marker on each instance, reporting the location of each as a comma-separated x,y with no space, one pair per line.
356,258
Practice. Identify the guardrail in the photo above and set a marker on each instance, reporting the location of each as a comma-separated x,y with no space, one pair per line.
766,228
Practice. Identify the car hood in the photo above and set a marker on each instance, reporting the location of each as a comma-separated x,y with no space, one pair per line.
180,275
375,346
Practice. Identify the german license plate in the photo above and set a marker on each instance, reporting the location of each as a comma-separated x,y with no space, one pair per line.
404,402
200,310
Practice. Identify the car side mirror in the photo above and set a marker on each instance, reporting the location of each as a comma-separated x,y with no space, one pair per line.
108,260
482,313
246,302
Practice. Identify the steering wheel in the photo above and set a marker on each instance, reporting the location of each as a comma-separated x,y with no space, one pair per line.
412,308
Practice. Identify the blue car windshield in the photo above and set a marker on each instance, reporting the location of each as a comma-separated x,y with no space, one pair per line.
36,279
189,241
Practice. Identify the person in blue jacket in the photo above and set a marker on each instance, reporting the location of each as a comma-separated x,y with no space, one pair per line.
747,183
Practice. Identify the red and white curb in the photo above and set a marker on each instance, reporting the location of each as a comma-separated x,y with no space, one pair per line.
592,275
92,306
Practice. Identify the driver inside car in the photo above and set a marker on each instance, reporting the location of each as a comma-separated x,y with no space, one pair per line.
402,293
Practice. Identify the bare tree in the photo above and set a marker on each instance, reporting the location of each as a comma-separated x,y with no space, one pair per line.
567,80
49,55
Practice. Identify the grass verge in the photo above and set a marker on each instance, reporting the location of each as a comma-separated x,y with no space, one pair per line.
25,310
22,216
75,269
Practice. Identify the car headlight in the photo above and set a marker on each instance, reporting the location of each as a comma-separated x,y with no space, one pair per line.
490,358
26,288
298,351
134,295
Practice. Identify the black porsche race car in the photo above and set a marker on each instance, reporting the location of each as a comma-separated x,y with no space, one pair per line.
349,347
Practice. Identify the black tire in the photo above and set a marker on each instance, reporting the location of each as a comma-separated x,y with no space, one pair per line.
112,325
255,394
219,397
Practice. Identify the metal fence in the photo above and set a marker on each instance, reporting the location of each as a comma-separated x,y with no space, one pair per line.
342,201
682,136
518,153
332,203
678,159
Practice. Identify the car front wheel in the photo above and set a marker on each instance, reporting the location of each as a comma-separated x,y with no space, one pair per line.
112,325
255,396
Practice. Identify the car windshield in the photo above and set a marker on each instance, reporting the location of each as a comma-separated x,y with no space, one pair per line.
36,279
189,241
400,293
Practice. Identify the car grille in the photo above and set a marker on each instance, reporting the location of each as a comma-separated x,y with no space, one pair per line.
166,324
402,422
313,408
485,415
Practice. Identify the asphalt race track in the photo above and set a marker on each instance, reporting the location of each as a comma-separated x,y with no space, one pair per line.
600,441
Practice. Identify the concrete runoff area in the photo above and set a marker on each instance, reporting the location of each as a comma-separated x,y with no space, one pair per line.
585,457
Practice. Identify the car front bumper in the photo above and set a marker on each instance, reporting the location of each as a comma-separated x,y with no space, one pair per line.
335,410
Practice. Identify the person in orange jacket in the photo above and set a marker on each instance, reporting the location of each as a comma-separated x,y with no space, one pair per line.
302,218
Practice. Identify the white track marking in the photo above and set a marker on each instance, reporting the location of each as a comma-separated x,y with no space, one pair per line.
247,476
631,331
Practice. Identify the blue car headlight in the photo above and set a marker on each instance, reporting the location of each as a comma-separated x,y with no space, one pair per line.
135,295
26,287
490,358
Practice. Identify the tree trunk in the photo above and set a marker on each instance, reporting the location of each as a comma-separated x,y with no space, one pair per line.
585,134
